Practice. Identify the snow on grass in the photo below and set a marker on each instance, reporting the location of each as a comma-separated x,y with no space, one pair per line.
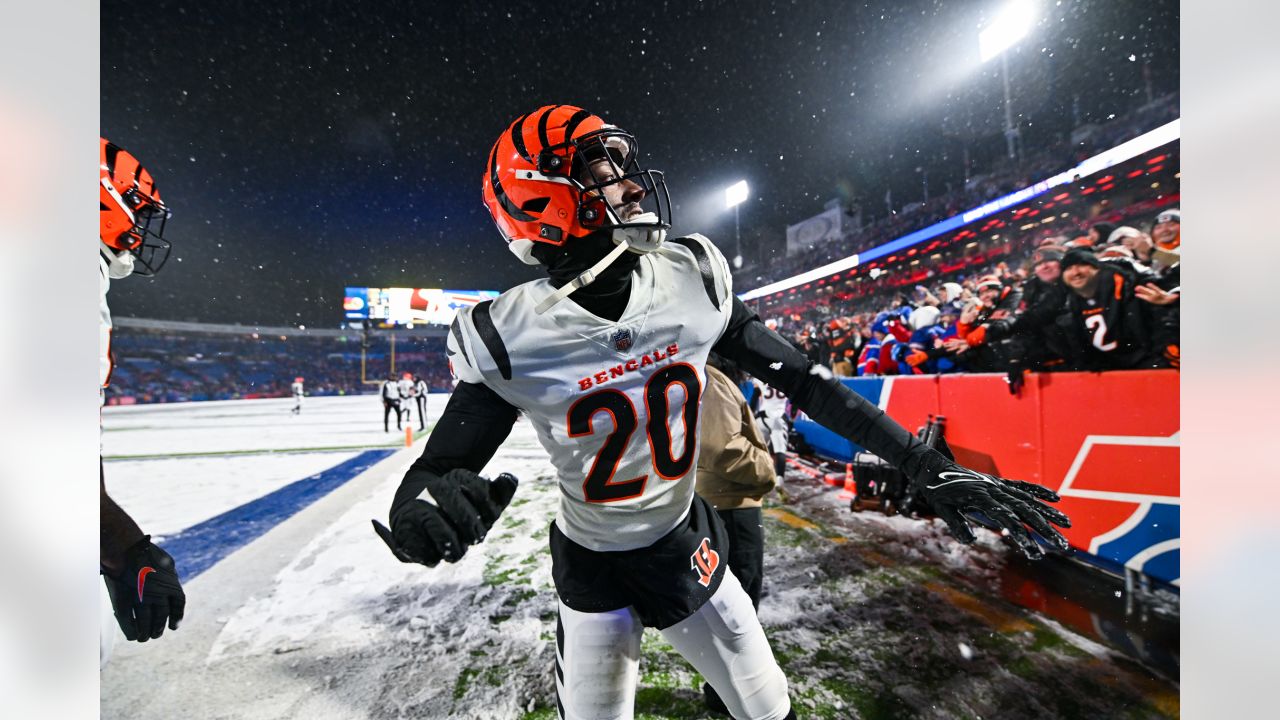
247,425
869,616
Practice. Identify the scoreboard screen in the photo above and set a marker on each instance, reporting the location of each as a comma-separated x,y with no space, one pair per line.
406,307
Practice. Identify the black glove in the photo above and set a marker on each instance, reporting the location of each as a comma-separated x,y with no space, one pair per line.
465,507
999,329
1010,504
146,593
1016,378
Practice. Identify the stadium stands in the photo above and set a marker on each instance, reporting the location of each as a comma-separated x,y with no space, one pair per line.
173,362
865,320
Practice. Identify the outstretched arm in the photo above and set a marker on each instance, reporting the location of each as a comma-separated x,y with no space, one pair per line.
950,488
443,506
142,580
117,531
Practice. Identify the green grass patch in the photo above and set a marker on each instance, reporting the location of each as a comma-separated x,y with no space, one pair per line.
871,704
1046,639
463,682
654,703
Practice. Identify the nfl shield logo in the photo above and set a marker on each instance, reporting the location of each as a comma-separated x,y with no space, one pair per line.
622,340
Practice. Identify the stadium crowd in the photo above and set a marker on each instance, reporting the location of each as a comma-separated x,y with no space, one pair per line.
155,366
1096,292
1102,296
1001,179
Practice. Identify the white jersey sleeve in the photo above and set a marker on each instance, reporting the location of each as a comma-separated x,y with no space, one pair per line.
460,350
104,326
717,280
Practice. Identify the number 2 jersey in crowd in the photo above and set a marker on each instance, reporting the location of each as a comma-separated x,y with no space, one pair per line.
616,404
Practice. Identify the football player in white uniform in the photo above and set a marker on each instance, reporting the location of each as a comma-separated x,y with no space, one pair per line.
606,358
772,414
141,579
420,391
404,386
297,395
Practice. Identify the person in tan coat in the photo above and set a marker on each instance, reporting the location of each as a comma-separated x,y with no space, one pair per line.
735,472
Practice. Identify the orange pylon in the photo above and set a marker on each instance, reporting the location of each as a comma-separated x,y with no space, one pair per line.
850,490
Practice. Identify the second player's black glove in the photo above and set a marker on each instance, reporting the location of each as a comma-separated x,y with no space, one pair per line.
1016,378
1011,504
146,593
436,518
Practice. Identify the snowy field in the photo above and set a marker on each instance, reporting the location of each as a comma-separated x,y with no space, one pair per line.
299,610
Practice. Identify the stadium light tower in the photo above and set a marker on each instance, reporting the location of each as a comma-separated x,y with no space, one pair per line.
1010,26
735,195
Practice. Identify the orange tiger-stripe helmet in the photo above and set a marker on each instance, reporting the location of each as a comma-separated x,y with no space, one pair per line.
131,215
538,187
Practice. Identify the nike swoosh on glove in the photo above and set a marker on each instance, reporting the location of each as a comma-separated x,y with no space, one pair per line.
146,594
436,518
1012,505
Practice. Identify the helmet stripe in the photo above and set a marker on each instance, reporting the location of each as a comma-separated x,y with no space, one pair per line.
501,194
542,125
574,122
112,152
517,138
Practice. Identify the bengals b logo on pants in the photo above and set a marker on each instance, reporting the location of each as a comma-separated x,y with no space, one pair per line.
704,561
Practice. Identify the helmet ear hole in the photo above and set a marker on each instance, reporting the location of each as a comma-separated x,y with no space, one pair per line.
535,205
550,163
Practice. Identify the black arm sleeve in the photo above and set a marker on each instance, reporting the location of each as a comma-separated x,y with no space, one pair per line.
813,389
1042,314
474,424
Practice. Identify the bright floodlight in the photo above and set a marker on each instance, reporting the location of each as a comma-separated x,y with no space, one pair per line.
1013,24
735,193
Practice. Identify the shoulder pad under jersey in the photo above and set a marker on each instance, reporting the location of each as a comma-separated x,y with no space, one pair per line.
475,348
716,278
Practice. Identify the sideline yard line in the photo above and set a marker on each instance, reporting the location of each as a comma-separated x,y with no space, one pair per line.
418,435
204,544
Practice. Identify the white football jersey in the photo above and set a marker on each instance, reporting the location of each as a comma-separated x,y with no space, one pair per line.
616,404
773,405
104,325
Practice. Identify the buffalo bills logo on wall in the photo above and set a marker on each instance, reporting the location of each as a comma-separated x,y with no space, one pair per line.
622,340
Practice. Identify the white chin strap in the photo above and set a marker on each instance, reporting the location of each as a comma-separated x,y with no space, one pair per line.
639,240
119,264
583,280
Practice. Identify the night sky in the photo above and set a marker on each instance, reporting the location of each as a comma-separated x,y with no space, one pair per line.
304,147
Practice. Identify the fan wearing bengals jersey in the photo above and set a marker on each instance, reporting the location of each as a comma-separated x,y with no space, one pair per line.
141,579
1109,325
606,359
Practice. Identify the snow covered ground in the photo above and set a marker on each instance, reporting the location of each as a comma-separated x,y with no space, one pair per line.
870,616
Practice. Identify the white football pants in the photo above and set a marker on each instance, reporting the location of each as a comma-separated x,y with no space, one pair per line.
598,658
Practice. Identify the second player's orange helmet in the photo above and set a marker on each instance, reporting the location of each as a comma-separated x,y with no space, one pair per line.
539,187
131,215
